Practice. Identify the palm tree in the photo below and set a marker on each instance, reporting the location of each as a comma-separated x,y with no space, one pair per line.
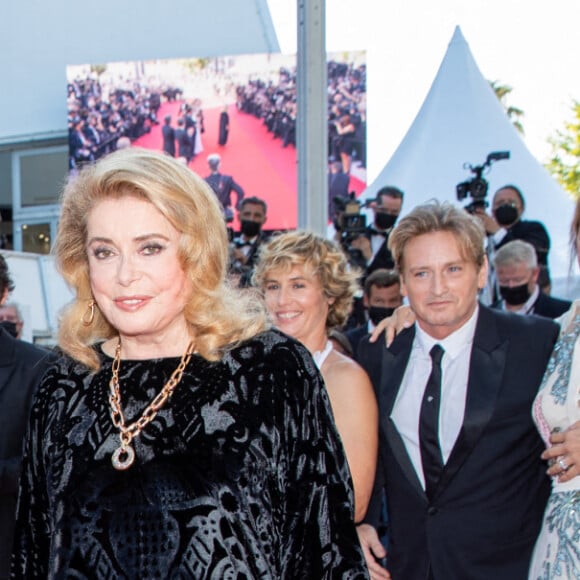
514,114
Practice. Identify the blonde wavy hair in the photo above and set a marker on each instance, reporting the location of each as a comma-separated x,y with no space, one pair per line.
321,257
218,315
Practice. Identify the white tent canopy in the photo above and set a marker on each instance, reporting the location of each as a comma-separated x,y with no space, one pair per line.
461,120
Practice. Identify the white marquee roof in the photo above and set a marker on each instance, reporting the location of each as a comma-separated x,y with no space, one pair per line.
461,120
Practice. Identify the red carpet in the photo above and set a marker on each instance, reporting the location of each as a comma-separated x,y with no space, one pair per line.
257,161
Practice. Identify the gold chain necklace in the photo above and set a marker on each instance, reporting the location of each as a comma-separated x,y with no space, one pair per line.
124,456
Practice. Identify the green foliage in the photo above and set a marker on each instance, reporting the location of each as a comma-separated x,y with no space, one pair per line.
98,69
195,65
515,115
564,163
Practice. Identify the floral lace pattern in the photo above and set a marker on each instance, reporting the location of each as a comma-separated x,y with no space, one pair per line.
562,520
560,362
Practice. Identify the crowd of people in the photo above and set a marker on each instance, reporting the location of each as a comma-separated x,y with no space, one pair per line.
275,104
99,115
222,405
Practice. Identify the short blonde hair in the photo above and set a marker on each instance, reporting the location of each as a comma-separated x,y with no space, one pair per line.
217,315
438,216
327,261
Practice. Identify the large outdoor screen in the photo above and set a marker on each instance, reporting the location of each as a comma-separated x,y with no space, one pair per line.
242,108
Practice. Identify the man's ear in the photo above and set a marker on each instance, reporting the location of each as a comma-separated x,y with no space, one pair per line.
4,296
482,274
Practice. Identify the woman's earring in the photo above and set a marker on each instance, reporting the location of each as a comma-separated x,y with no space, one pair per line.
89,315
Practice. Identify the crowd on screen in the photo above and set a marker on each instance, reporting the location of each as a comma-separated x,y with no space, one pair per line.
98,117
275,103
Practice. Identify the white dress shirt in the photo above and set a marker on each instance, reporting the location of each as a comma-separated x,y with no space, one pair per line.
455,373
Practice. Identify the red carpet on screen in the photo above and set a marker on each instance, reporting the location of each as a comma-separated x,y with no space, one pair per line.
252,156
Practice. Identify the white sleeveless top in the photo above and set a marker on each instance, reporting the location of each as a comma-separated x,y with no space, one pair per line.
321,355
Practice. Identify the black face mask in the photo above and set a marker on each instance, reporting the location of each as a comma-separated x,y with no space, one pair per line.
250,229
515,295
9,327
377,313
384,221
506,214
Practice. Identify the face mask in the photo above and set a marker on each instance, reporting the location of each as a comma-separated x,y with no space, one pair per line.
384,221
506,214
250,228
515,295
377,313
9,327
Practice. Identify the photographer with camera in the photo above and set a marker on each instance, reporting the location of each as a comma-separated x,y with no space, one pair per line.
505,224
373,244
245,244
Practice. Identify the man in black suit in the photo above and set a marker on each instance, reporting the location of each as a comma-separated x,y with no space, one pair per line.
246,243
374,245
461,468
381,295
338,193
223,185
168,133
21,366
517,271
505,224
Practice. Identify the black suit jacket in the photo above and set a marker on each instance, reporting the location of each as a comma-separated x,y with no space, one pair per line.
550,307
486,512
532,232
223,185
355,335
168,133
21,366
383,258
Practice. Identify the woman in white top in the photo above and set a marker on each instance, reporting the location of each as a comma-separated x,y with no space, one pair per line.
308,287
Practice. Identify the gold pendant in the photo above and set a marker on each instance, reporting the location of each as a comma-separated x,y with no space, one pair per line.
123,457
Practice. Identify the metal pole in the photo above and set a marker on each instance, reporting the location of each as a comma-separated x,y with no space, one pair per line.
312,118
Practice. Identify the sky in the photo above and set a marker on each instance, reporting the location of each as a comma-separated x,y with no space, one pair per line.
530,45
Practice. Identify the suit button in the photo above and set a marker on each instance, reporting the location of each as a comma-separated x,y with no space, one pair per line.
432,510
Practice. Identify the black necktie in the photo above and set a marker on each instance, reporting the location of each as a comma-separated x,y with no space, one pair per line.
431,457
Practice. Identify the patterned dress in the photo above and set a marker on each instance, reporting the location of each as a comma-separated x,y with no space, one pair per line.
241,475
557,551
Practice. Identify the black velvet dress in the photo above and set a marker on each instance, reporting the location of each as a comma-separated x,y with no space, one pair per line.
241,474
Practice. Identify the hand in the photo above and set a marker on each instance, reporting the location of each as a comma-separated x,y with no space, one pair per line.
372,549
489,223
363,244
239,255
565,450
403,317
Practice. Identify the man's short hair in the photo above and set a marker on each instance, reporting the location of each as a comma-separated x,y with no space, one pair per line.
389,191
381,278
255,200
514,253
213,161
516,190
6,282
436,216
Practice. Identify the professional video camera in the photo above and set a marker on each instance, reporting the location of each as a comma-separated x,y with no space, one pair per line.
477,186
351,223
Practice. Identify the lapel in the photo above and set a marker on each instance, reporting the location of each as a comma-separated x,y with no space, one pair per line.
394,364
486,367
7,344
